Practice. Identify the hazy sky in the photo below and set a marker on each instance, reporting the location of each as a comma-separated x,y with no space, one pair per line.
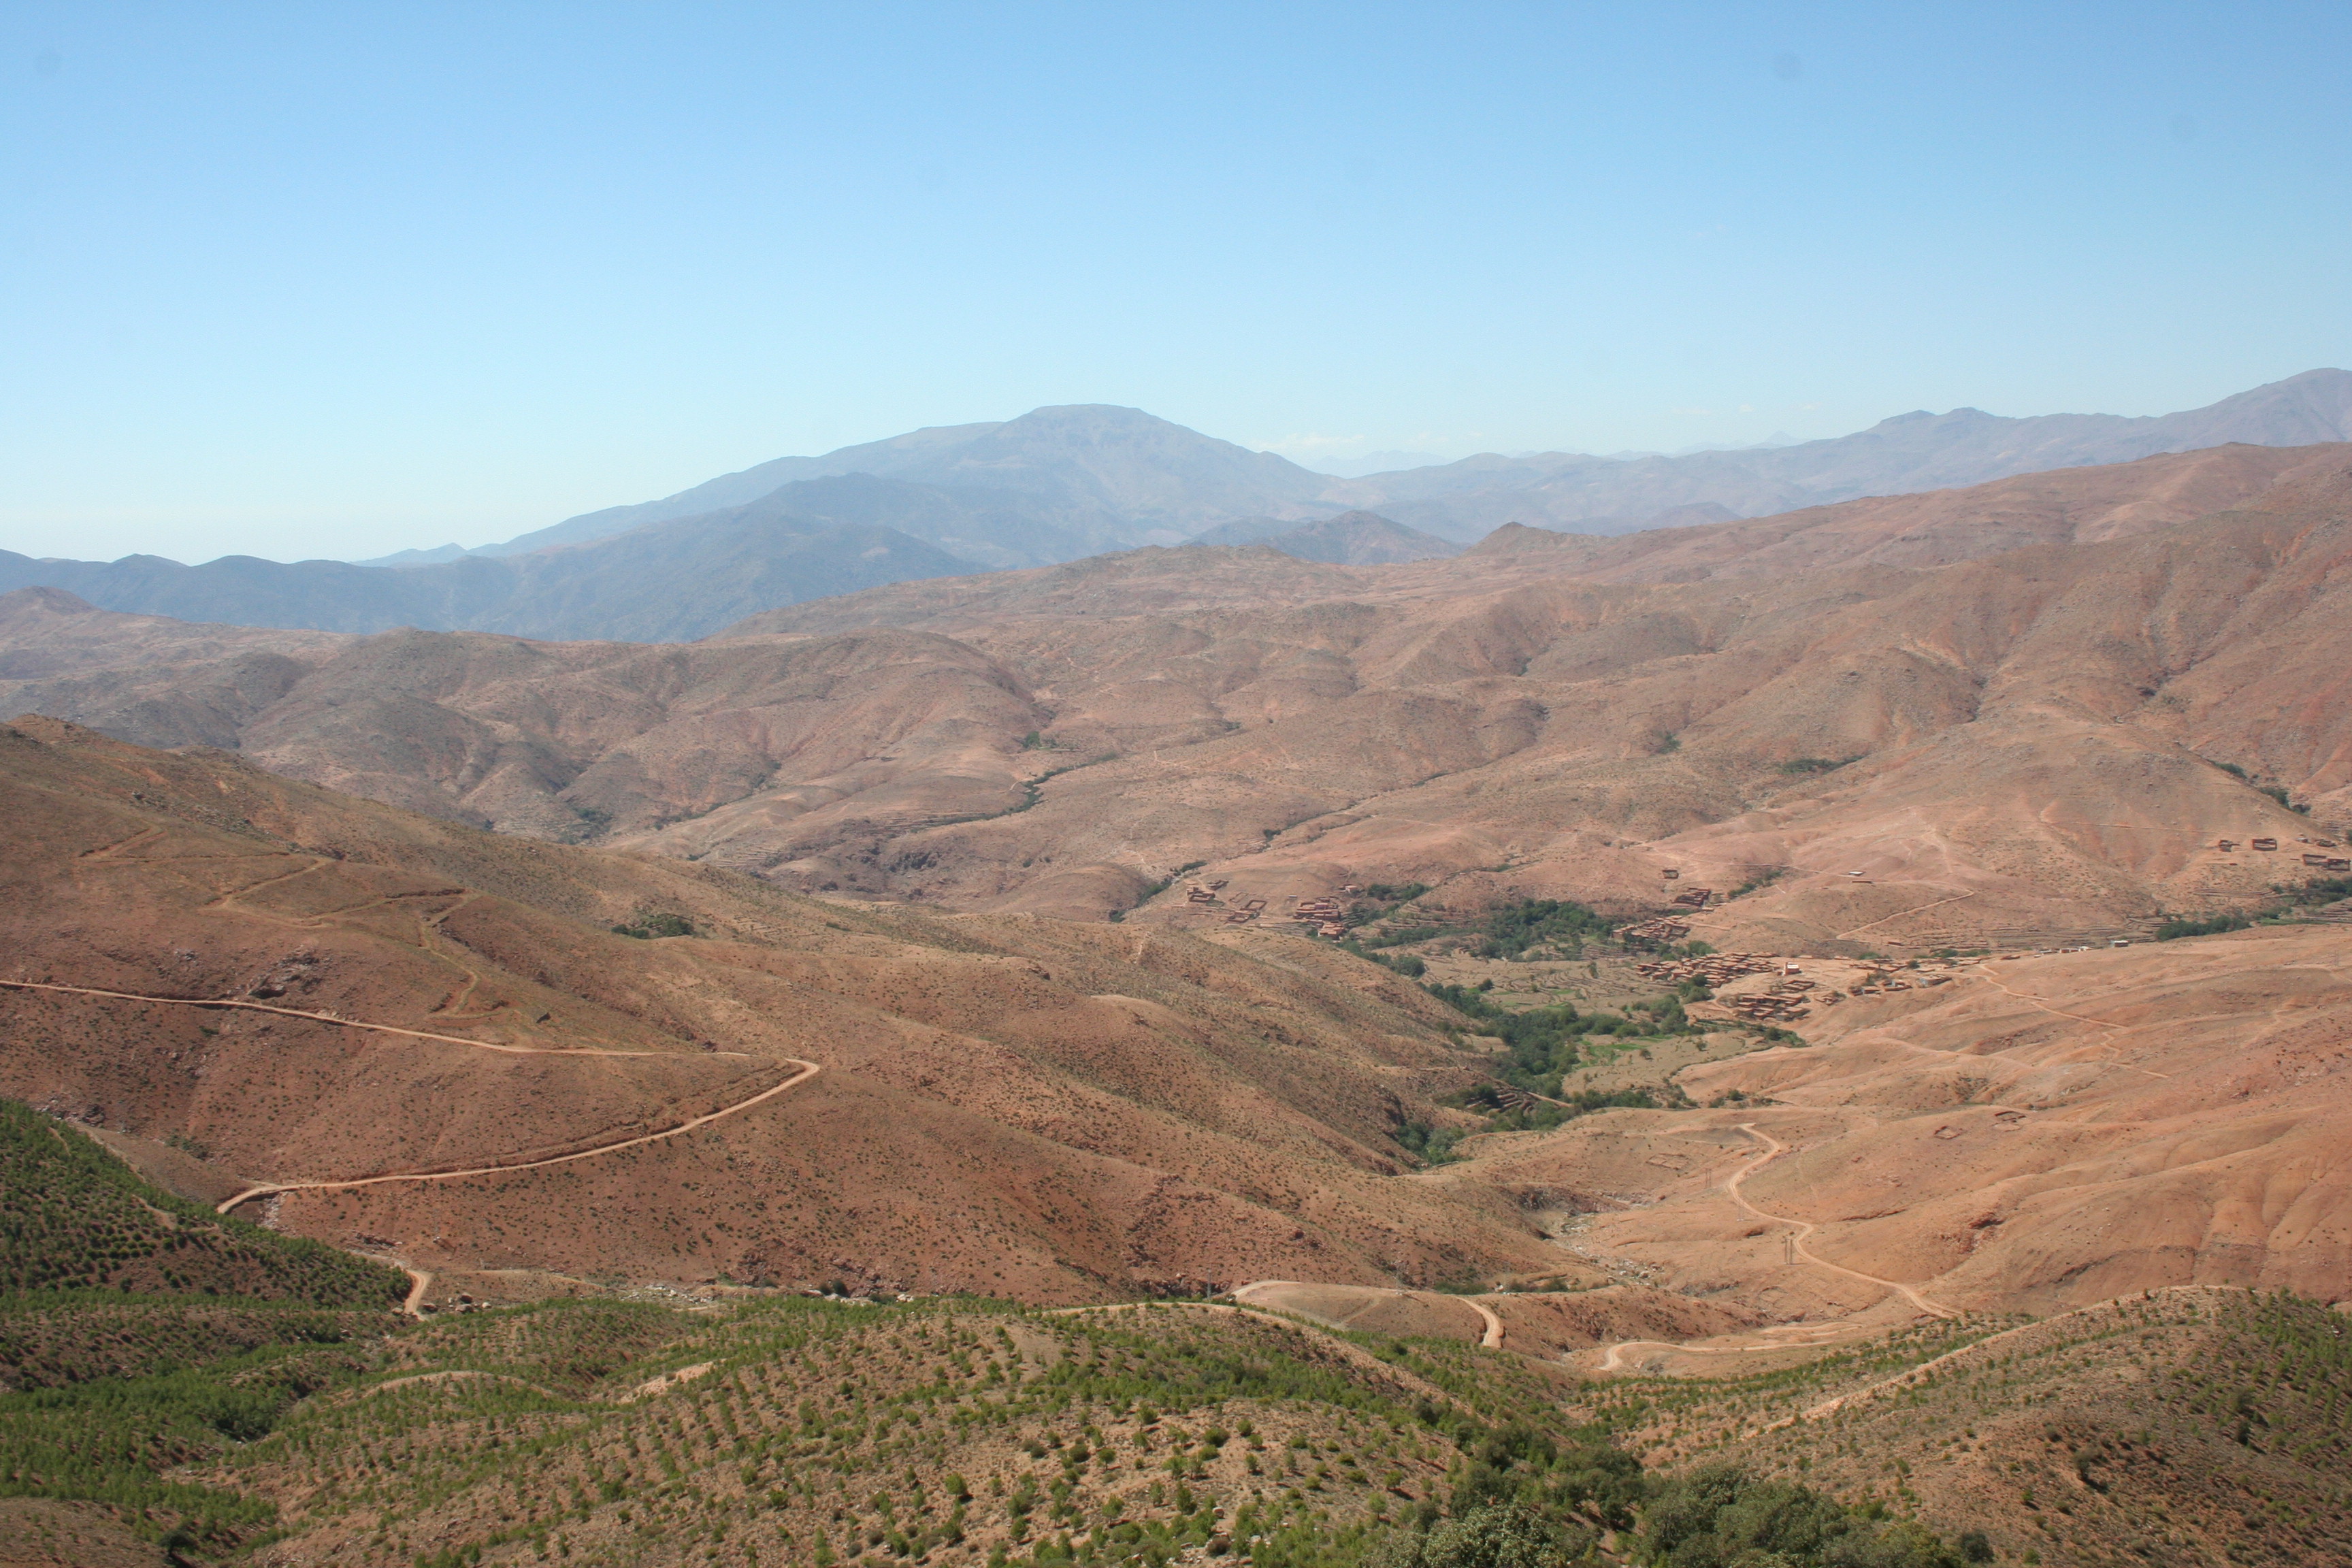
327,279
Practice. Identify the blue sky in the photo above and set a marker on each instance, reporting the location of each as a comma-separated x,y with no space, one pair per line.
332,281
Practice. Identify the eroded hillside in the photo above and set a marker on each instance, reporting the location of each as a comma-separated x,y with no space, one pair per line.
796,1092
2027,711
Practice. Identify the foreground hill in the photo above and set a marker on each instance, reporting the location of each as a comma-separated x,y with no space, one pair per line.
2196,1425
2020,712
73,1216
450,1043
160,1428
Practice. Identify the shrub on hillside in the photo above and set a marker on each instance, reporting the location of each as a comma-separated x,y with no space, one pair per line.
1723,1516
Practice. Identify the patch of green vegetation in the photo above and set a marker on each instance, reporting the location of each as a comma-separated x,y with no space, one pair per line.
1723,1515
1514,928
2303,895
1430,1145
117,1440
2320,890
106,1390
74,1217
1545,1044
1401,937
1543,1116
644,928
2181,926
2278,793
1805,765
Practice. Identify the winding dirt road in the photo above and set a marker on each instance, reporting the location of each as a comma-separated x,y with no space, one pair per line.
1611,1361
270,1189
1773,1149
421,1282
1902,1379
340,1023
1490,1336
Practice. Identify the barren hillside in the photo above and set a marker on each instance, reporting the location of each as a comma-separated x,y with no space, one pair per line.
2020,712
2031,1134
999,1104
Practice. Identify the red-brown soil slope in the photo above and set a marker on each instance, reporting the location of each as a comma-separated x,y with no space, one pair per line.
2019,692
2031,733
1004,1104
2038,1135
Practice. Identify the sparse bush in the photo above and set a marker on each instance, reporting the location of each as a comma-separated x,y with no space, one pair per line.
2181,926
644,928
1722,1515
1498,1534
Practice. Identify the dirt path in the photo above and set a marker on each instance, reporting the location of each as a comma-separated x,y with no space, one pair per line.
1914,909
342,1023
1490,1337
1773,1149
808,1070
1611,1361
2080,1019
420,1282
1830,1406
1355,1355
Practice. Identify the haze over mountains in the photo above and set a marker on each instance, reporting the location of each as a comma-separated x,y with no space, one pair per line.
1917,451
1060,484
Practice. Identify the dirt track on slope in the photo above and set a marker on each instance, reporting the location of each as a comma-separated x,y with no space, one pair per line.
808,1070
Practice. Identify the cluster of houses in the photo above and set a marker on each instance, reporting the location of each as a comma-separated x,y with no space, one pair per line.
1664,930
1716,969
2312,853
1324,913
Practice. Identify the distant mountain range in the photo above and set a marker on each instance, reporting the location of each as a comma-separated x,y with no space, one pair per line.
666,582
1911,452
1096,476
1350,539
1061,483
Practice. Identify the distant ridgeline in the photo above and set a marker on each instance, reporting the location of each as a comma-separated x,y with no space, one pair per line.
170,1425
1060,483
